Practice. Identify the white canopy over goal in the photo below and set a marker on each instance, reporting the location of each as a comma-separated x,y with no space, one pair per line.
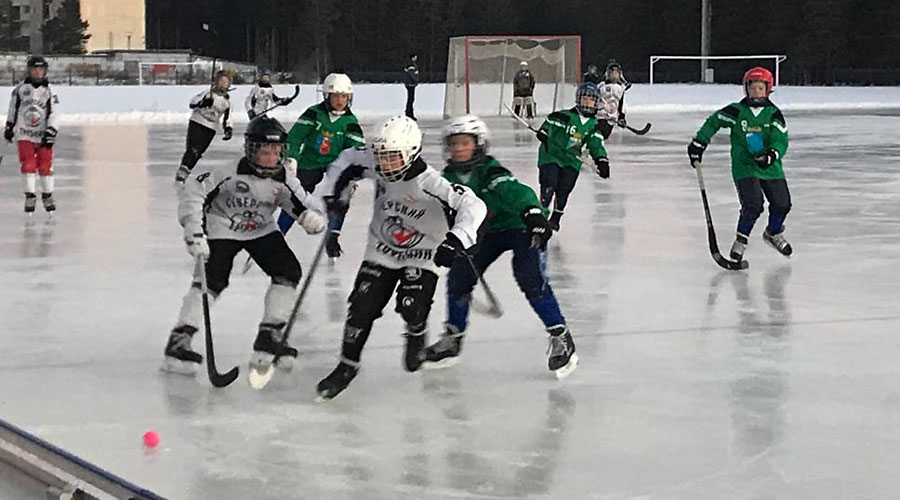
480,70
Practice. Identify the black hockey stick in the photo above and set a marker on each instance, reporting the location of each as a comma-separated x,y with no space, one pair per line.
284,101
217,379
519,118
711,232
641,131
258,379
492,308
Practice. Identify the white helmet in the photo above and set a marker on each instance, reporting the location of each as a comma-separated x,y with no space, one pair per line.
337,83
471,125
399,136
523,64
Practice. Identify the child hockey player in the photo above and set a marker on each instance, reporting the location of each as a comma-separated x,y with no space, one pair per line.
523,92
563,135
209,107
262,97
612,99
226,211
409,238
317,138
516,223
759,140
31,122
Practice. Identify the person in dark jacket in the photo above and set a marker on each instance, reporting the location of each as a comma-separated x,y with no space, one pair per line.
411,72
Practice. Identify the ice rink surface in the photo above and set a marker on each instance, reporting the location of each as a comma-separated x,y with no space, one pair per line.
782,381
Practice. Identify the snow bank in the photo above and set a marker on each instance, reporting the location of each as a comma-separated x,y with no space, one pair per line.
168,104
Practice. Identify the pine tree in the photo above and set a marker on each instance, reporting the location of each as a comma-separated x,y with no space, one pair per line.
66,33
10,35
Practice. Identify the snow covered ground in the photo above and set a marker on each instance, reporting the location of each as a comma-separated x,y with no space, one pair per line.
777,382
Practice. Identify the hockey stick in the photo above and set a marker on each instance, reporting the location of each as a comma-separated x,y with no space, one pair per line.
284,101
641,131
711,232
492,308
217,379
519,118
258,379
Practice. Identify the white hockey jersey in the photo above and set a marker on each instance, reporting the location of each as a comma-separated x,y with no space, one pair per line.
209,116
236,204
32,110
612,101
260,99
411,217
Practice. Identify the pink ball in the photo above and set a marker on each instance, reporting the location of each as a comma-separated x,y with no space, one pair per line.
151,439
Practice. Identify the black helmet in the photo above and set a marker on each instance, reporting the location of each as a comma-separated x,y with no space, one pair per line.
260,132
36,62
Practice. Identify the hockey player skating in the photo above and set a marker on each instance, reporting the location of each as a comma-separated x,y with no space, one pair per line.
409,238
523,92
516,223
262,97
224,211
317,138
759,140
612,99
563,135
31,123
208,107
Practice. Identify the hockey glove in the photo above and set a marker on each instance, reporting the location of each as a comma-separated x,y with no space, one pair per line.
227,135
542,136
207,102
448,250
537,227
251,114
49,137
695,152
332,245
767,158
602,164
313,222
197,246
8,133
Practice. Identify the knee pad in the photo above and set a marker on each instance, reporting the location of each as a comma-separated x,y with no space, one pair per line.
191,312
752,211
780,209
279,303
413,313
191,157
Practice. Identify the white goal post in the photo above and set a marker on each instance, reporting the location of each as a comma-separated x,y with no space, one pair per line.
480,71
777,58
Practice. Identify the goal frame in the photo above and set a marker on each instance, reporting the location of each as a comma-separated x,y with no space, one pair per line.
539,38
778,58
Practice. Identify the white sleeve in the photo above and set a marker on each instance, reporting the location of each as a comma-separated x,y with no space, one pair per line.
361,161
470,210
294,199
248,103
195,101
198,188
53,111
13,114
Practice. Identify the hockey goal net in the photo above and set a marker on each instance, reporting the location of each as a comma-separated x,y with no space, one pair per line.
480,71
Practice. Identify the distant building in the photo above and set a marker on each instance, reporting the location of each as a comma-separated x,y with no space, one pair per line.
112,24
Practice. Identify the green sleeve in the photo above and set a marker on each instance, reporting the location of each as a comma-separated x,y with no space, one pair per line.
556,128
514,195
779,134
304,126
354,135
595,143
725,117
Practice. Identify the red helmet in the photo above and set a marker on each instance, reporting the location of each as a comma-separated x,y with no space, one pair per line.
759,74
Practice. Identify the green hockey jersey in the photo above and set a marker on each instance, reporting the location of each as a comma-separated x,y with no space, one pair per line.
317,138
567,134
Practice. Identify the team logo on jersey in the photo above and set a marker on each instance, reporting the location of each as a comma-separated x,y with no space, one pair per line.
241,187
398,234
33,117
323,142
246,221
412,273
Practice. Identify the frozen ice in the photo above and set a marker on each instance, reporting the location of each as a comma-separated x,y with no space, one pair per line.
694,382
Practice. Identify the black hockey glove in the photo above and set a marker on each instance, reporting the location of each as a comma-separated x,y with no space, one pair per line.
695,152
332,245
49,137
227,135
8,132
767,158
206,102
621,121
251,114
537,227
602,164
448,250
542,136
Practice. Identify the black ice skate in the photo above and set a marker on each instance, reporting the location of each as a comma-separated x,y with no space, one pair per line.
778,242
332,245
336,381
30,203
555,218
268,345
414,353
562,360
445,352
180,358
738,248
49,203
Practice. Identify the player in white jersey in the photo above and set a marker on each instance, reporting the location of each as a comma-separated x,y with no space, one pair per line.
612,99
409,239
224,211
262,97
208,107
31,122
